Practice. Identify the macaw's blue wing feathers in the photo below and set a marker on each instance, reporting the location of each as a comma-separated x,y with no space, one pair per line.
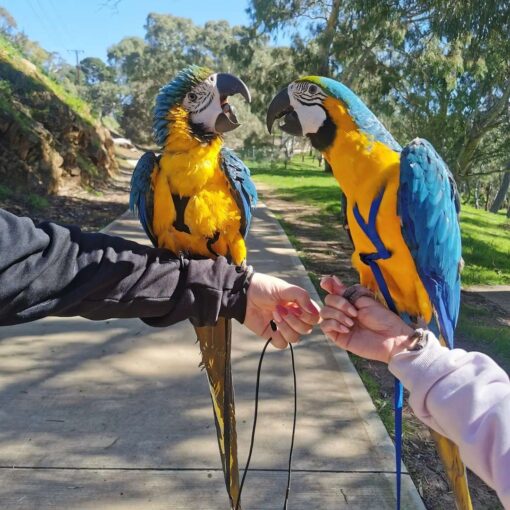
141,198
428,205
243,189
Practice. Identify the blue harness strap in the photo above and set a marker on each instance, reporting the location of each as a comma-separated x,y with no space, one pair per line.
370,259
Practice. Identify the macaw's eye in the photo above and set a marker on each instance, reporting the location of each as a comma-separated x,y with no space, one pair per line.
312,89
192,96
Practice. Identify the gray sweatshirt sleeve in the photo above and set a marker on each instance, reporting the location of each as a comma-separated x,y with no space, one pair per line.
466,397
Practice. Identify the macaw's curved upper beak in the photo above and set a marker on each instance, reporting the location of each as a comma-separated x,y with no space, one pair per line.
228,85
280,107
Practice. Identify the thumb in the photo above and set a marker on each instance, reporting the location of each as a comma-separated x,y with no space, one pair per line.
301,297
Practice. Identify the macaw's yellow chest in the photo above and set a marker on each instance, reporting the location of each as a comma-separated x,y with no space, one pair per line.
194,210
364,169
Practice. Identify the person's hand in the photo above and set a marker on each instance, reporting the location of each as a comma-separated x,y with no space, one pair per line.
290,307
367,329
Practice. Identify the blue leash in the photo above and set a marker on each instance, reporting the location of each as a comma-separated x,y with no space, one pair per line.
370,259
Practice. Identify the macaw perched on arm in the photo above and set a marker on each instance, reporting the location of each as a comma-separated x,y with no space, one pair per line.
402,212
196,198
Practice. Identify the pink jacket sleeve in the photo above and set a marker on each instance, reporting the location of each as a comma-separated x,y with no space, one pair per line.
466,397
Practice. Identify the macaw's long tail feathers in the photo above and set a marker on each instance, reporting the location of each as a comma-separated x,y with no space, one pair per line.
455,470
215,345
450,457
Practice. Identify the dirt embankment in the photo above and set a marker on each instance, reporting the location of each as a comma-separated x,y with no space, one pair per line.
46,135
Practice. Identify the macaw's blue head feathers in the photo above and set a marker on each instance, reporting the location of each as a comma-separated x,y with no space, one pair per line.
301,104
173,94
202,96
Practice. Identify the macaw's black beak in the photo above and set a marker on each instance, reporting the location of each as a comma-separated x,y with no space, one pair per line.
280,107
228,85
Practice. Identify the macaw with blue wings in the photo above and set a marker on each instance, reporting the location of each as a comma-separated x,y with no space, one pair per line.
402,214
196,198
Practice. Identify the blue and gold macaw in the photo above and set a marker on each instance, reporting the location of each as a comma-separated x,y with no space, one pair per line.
402,213
196,198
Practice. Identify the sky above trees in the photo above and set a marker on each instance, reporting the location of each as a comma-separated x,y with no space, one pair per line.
94,25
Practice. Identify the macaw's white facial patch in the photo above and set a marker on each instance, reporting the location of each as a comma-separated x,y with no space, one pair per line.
203,102
306,98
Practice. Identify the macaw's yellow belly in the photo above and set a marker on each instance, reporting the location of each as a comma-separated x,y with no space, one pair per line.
209,214
362,174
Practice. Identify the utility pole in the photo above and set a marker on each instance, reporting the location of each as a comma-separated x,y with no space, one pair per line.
77,52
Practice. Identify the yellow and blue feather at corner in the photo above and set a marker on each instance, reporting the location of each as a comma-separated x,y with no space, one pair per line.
402,214
196,198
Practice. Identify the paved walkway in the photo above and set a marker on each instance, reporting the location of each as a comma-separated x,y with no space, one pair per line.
497,294
115,415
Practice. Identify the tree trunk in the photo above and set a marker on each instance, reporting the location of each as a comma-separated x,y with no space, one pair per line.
327,39
503,190
483,124
488,191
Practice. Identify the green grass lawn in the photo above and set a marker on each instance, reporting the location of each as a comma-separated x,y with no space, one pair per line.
485,236
477,324
485,246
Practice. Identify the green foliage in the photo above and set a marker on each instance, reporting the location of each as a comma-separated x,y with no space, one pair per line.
476,324
87,167
104,98
5,90
17,45
485,236
37,202
7,98
486,247
428,68
300,182
381,401
13,56
172,43
5,192
95,71
77,104
7,22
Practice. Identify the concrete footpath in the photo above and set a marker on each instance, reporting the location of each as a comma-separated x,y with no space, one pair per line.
115,415
496,294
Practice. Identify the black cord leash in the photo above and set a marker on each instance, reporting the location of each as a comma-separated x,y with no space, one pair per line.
252,442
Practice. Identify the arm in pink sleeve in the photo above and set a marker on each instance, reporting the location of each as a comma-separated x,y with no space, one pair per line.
466,397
